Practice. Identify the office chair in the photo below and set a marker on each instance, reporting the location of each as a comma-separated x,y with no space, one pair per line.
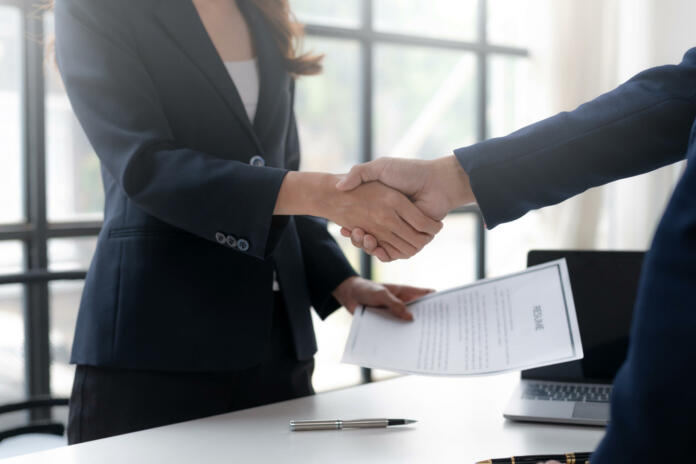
38,435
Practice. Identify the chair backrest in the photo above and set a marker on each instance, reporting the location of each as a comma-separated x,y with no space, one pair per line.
36,435
37,426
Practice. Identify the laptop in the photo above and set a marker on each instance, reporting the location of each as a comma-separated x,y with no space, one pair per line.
604,285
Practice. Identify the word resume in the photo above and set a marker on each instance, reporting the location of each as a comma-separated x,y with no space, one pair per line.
519,321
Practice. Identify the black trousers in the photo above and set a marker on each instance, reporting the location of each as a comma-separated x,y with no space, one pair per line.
111,401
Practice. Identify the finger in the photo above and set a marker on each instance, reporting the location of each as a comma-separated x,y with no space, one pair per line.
381,254
404,247
345,232
419,221
359,174
399,226
395,305
369,242
356,237
392,253
408,293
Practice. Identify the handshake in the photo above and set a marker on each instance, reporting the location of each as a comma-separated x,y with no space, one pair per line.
390,207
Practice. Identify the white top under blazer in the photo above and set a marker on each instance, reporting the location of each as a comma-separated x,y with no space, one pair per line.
245,75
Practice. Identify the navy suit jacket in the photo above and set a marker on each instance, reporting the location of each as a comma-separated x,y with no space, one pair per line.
644,124
182,275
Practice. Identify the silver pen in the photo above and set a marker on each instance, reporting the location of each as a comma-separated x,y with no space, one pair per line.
338,424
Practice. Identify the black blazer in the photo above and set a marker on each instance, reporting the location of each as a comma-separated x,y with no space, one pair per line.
644,124
182,275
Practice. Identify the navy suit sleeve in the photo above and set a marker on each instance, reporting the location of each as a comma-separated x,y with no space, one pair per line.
653,416
640,126
326,265
117,105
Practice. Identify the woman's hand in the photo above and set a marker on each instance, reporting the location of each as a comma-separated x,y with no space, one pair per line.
386,214
356,291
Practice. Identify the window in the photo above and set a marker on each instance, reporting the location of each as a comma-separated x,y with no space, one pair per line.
50,211
402,77
409,78
10,114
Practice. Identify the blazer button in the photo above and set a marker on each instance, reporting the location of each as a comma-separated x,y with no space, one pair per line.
257,161
220,238
242,245
231,241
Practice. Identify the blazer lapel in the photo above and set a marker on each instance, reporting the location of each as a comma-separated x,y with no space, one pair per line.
181,20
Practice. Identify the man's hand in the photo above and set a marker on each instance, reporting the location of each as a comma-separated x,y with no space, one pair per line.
435,187
356,291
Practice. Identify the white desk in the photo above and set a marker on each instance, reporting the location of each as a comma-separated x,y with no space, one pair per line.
460,420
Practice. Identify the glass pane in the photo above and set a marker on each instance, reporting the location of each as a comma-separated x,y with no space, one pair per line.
11,343
425,101
434,18
512,22
65,254
71,254
329,372
327,108
510,101
448,261
11,171
11,257
64,303
11,325
74,186
344,13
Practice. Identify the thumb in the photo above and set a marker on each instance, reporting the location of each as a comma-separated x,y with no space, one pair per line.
396,306
357,175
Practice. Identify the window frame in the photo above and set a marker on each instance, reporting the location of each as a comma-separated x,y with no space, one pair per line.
369,38
36,230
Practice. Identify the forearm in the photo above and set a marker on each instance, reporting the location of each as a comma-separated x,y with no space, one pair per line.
640,126
305,194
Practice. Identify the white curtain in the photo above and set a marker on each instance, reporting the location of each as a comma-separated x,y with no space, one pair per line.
580,49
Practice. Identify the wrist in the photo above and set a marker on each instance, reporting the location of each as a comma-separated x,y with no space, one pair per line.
342,292
306,193
450,174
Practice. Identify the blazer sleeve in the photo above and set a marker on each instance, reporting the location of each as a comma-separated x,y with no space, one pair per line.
325,264
117,105
639,126
653,413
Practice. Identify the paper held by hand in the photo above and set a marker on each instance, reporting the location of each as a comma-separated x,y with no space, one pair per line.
519,321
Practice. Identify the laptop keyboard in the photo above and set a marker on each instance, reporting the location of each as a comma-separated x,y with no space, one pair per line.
566,392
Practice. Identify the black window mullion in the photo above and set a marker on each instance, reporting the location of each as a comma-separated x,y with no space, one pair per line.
482,129
366,105
36,317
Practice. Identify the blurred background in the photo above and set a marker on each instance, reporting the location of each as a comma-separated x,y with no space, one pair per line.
410,78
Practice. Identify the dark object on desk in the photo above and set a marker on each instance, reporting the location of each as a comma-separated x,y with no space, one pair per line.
567,458
338,424
604,285
41,426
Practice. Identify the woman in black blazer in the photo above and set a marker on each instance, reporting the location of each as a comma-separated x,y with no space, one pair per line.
198,296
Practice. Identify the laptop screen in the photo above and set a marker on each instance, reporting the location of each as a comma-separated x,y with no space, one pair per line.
604,285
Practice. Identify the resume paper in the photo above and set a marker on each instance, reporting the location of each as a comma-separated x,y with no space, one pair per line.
519,321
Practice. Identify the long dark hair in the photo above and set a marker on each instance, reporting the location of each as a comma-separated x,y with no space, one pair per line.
287,33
